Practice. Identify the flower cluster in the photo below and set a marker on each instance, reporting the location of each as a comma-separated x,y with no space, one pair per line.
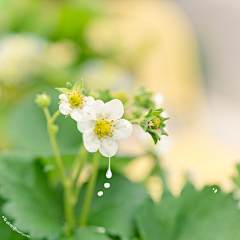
100,122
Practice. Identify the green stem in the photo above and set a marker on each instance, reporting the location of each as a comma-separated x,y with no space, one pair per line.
135,121
129,104
68,202
52,137
55,115
90,188
76,171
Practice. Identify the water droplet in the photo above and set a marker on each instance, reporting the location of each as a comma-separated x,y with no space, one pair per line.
100,193
107,185
109,173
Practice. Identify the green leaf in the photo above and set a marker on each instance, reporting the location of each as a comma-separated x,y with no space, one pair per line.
7,233
35,208
116,209
194,215
91,233
147,222
25,125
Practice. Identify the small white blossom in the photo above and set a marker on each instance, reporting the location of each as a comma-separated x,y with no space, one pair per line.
76,104
103,128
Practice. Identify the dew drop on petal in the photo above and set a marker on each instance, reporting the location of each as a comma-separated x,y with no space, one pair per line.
100,193
107,185
109,172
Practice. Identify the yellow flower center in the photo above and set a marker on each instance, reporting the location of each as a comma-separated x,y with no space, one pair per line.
103,128
76,99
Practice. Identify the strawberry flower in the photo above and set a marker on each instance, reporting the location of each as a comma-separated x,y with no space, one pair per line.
73,102
103,128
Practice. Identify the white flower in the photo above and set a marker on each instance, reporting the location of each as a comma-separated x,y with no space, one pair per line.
103,128
75,104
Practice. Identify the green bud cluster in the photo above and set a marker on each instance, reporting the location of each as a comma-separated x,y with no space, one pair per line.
153,123
143,98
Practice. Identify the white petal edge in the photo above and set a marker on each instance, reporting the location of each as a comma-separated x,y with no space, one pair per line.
86,123
123,129
91,141
65,108
96,109
63,97
113,109
108,147
88,104
89,101
77,114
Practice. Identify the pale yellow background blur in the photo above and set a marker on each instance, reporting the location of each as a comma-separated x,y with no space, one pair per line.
169,62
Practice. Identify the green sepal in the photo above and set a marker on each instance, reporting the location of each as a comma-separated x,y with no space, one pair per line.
83,91
78,86
163,132
63,90
69,85
154,135
149,117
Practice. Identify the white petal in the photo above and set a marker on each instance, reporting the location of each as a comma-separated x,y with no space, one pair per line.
86,123
96,109
113,109
91,141
123,129
77,114
89,100
63,97
65,108
108,147
88,104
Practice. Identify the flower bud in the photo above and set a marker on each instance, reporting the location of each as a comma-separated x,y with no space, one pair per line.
43,100
156,123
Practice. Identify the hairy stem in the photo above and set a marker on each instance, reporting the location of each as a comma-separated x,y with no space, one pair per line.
68,205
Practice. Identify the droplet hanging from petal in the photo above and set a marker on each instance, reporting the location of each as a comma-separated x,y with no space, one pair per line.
109,172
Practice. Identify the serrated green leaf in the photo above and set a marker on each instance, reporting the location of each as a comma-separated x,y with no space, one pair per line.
34,207
7,233
116,209
194,215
